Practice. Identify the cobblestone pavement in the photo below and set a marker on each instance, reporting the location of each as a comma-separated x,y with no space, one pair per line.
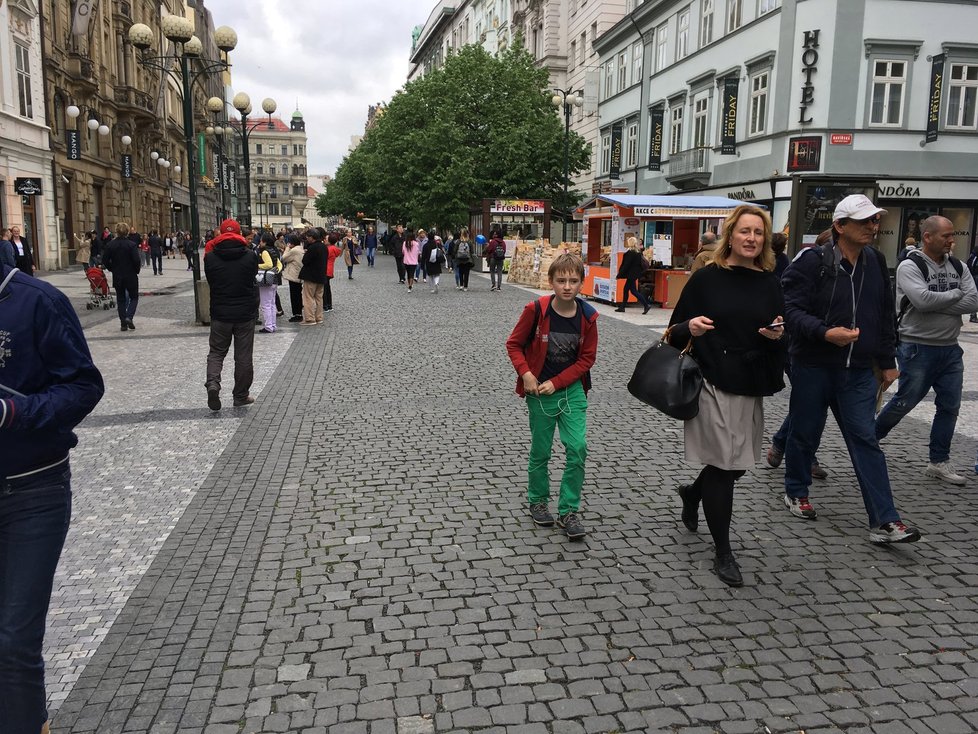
352,553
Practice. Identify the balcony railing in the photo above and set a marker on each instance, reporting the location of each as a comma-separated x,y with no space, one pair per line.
685,162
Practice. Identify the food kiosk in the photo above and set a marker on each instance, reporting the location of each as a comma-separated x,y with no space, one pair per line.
670,227
517,219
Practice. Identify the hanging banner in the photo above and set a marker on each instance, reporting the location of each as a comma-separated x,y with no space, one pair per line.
73,144
656,118
728,138
81,15
615,169
201,155
126,165
934,100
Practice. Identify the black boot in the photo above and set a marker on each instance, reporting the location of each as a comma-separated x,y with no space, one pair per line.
620,309
125,326
691,506
727,570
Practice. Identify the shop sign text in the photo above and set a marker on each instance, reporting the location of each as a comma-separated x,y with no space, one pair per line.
809,65
518,206
899,191
742,195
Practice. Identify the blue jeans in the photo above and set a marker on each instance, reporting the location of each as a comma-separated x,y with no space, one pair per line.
923,367
34,516
851,393
780,439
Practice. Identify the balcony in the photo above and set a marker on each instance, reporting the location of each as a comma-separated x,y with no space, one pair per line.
689,169
135,101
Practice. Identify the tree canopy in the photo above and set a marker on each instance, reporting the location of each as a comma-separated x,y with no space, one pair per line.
481,126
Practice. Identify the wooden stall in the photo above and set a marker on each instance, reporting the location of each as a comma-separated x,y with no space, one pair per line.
670,227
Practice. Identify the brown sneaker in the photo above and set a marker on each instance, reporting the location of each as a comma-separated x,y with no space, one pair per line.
241,402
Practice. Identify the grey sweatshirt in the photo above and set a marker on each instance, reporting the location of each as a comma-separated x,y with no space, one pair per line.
937,303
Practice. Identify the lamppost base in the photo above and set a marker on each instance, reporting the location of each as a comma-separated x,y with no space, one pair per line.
202,297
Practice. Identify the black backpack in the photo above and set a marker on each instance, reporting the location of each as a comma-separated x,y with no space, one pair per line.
463,254
918,260
500,252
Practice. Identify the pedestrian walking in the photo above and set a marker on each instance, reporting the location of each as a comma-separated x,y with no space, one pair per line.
728,309
395,243
449,244
433,255
22,251
704,255
369,245
121,257
463,260
333,252
292,257
230,267
933,291
419,269
411,252
313,277
8,255
351,252
144,251
630,271
495,255
270,269
553,347
48,384
840,316
155,243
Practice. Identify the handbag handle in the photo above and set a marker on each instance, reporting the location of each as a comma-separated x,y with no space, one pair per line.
665,338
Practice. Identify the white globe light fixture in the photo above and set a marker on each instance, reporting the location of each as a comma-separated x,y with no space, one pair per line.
93,124
241,102
141,36
225,38
193,47
154,155
556,100
177,28
177,168
268,105
209,130
72,111
126,140
215,105
103,130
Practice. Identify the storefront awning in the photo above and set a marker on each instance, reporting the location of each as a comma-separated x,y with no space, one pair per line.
668,204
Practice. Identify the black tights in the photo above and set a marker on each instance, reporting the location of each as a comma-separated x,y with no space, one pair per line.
715,489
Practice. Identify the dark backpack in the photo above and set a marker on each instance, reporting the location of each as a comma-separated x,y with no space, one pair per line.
918,260
500,252
463,254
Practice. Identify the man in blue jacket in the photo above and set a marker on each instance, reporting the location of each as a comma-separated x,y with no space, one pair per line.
48,384
839,313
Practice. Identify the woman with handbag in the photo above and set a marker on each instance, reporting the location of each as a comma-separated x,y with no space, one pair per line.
732,311
269,273
351,253
630,271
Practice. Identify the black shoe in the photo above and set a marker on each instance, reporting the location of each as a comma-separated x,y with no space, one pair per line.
125,326
691,507
131,325
571,524
213,400
280,314
647,308
294,319
726,568
541,515
620,309
242,402
265,331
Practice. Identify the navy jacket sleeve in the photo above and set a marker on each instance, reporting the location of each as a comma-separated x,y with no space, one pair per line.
800,284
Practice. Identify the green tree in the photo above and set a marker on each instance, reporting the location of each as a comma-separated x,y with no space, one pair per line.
481,126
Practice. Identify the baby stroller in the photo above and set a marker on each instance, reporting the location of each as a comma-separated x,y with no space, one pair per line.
99,296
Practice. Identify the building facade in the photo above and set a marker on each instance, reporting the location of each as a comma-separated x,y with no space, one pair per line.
795,103
26,184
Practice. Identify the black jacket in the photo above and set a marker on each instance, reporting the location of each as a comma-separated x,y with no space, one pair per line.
314,263
230,268
733,355
631,266
155,244
121,256
24,262
822,291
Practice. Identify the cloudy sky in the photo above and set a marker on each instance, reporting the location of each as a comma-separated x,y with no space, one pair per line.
332,57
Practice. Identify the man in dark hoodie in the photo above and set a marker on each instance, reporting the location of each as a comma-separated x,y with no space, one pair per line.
121,256
230,266
495,255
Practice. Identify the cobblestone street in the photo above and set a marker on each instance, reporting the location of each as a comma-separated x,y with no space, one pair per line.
352,553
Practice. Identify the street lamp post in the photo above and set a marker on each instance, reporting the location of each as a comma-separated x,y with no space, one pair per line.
242,103
569,100
188,47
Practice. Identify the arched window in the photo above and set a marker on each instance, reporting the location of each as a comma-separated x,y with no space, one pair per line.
271,170
295,169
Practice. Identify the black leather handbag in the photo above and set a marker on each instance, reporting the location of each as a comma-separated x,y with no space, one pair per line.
668,379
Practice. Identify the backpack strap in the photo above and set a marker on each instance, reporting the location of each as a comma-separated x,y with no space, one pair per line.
9,277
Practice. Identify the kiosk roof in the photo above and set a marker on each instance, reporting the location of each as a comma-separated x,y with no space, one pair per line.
667,202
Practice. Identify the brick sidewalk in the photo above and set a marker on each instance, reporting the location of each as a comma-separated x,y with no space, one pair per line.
357,558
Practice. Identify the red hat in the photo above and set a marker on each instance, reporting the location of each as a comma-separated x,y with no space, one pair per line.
230,225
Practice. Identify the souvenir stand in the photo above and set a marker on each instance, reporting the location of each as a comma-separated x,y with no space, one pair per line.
670,227
517,219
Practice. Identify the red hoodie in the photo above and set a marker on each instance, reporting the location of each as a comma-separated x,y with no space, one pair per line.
332,252
527,347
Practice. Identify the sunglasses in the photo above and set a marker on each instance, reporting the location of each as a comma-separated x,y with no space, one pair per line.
871,220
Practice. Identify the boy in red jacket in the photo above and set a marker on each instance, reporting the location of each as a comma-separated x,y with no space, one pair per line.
553,347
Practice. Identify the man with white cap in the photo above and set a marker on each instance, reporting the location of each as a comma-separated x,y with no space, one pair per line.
840,315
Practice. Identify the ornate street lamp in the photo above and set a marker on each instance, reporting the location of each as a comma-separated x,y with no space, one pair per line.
242,103
569,100
187,49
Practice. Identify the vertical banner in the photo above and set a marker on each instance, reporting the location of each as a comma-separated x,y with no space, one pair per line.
81,15
656,121
615,168
126,165
934,98
728,138
226,176
201,156
73,144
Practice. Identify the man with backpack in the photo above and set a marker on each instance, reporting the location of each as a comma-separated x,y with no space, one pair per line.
463,260
495,254
933,290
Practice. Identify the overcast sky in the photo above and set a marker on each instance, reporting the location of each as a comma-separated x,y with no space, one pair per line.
334,57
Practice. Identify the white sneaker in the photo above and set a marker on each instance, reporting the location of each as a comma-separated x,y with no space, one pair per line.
943,471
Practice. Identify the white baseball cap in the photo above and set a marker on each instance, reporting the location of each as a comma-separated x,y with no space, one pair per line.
857,207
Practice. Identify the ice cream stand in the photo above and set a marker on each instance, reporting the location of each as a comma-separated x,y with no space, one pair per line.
670,227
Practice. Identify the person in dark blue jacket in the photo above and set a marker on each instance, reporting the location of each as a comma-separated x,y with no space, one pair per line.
48,384
840,316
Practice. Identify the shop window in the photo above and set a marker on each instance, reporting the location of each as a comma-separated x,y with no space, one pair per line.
682,35
889,81
706,23
605,154
631,145
962,99
758,103
676,129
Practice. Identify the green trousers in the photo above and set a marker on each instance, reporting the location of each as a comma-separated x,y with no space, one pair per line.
566,409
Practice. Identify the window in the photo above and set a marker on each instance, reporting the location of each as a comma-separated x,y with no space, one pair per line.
889,78
682,36
701,121
605,153
661,36
631,145
638,51
766,6
622,70
273,192
676,129
23,62
609,79
271,170
961,101
258,148
260,169
735,14
582,47
285,150
273,209
706,24
287,210
758,103
594,34
572,56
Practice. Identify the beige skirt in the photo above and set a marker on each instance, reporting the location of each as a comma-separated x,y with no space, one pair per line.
728,432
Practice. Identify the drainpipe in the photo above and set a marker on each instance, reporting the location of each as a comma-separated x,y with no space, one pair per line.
641,98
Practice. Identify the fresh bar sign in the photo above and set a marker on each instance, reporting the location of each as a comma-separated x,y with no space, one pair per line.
809,65
73,144
934,101
655,138
615,168
518,206
728,141
126,165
